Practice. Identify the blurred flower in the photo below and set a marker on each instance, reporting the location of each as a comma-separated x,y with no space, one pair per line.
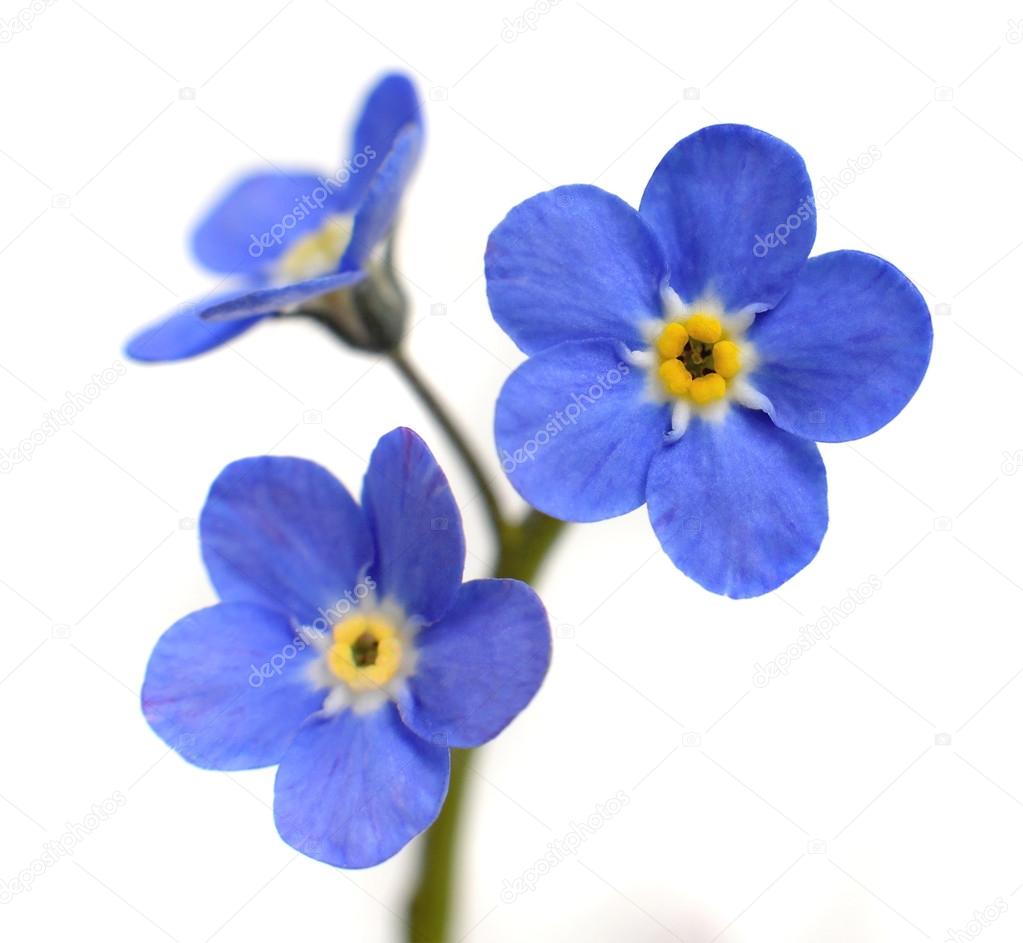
689,356
346,648
286,241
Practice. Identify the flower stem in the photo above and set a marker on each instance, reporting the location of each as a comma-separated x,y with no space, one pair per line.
521,550
430,908
465,452
524,547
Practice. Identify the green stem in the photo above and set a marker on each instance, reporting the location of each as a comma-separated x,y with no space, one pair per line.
524,548
465,452
521,551
430,908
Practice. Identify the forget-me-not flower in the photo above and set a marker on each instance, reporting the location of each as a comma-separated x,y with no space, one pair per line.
345,648
288,240
688,356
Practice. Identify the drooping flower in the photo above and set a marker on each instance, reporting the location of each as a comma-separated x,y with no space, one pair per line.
687,355
285,240
345,647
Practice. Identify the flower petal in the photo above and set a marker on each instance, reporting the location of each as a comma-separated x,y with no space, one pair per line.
227,687
739,505
354,789
722,201
572,264
845,350
185,333
416,526
265,300
382,199
479,666
256,221
391,106
576,431
284,532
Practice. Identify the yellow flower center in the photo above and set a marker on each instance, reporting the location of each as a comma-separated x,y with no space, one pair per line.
697,359
366,652
316,253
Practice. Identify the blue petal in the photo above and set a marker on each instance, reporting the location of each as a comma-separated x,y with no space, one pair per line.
380,204
185,333
845,350
739,505
479,666
416,526
391,106
265,300
255,222
572,264
227,687
354,789
576,432
722,201
285,533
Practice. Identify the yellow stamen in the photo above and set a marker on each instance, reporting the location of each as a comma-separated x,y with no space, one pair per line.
672,341
317,253
707,388
726,359
703,327
675,377
366,652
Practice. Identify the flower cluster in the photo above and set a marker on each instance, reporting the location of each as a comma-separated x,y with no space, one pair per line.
687,355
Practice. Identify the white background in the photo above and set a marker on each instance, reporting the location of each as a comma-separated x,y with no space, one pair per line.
873,793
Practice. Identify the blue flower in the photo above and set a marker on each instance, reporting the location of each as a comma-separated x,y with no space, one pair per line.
689,356
287,239
346,648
